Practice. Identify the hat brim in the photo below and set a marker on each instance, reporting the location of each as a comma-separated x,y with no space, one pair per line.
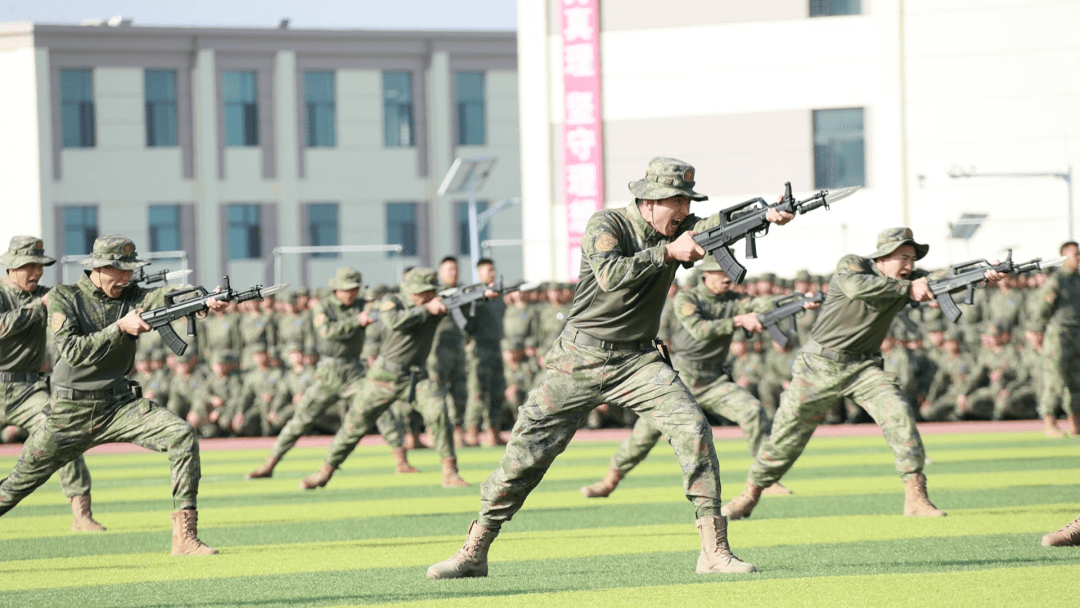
920,249
344,286
117,264
650,190
418,288
18,261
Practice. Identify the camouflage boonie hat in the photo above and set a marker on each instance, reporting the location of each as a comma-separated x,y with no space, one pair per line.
421,280
891,239
346,279
665,178
803,275
25,250
768,277
116,251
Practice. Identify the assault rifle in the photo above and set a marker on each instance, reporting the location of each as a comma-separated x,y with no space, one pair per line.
747,220
140,277
457,298
786,308
969,275
196,301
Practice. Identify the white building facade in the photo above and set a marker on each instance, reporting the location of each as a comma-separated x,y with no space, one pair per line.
227,144
927,104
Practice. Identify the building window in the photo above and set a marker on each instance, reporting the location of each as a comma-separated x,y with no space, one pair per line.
397,109
244,232
241,109
401,227
160,108
321,118
77,108
80,230
839,151
164,221
828,8
462,212
323,227
469,88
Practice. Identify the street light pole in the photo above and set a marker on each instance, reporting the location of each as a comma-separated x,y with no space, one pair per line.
1066,175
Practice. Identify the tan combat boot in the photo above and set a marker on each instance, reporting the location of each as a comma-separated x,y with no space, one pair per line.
1065,537
744,503
1052,431
716,555
916,502
84,521
605,486
266,470
1072,424
185,534
450,477
472,437
777,489
319,478
493,438
471,559
401,463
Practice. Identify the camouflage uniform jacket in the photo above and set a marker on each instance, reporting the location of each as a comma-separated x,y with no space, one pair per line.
410,332
94,353
521,323
859,310
623,280
296,333
706,323
337,329
258,331
552,322
1058,303
953,375
486,328
221,332
22,328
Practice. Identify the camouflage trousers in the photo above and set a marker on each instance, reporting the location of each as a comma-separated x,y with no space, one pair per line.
487,388
578,379
73,427
447,368
716,394
816,386
334,380
379,390
1061,371
24,406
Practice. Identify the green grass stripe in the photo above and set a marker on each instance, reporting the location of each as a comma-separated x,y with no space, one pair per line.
281,559
1021,586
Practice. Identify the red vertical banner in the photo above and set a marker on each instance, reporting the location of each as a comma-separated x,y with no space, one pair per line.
583,166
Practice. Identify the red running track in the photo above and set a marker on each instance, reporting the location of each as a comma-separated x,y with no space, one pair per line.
725,432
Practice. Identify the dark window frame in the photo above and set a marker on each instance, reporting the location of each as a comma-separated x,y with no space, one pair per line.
162,128
244,231
399,124
77,112
839,149
471,108
835,8
461,217
162,230
246,103
320,232
83,229
319,109
407,229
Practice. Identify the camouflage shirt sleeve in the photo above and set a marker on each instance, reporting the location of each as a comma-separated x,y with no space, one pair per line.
859,280
78,348
1045,300
340,326
17,319
604,249
399,317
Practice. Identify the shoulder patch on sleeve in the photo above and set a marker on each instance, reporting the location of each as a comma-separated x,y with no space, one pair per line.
687,309
320,320
387,305
57,321
605,242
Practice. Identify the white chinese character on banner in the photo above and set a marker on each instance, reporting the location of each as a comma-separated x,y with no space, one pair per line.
581,179
580,142
578,60
573,2
578,214
580,109
578,24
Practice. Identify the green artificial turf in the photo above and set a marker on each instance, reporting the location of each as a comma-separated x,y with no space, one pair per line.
367,538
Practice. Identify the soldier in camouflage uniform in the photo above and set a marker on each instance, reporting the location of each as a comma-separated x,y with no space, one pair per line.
340,321
25,393
399,373
93,322
1020,399
258,331
486,384
842,358
217,398
447,363
954,378
185,384
606,354
708,316
553,316
995,369
1058,306
294,329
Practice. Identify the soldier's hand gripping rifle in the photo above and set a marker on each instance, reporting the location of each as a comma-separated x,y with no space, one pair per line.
462,301
142,279
969,275
196,301
747,220
785,309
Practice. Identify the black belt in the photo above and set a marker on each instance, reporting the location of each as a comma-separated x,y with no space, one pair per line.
834,355
71,394
19,377
583,339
